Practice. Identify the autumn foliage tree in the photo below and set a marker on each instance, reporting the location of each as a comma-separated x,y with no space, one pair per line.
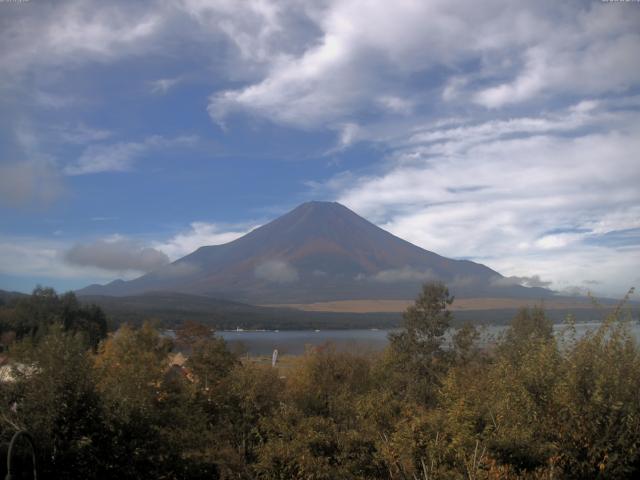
537,403
416,355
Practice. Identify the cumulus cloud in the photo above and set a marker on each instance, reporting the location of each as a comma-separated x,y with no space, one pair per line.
117,254
311,63
525,53
276,271
72,34
31,257
98,261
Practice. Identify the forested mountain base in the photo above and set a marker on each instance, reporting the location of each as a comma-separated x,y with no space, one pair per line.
526,408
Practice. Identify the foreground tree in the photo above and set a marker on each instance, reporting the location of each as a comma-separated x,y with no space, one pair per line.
596,425
152,425
415,354
55,399
325,429
530,407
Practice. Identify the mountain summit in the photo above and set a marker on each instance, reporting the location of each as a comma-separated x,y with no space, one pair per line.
320,251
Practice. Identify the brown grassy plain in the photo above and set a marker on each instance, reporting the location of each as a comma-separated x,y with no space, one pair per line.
461,304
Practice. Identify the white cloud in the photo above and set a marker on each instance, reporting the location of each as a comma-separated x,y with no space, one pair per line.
533,202
116,157
533,281
602,63
561,240
405,274
119,157
276,271
255,27
396,104
105,259
117,254
365,53
316,63
38,258
81,134
612,269
199,235
350,133
72,32
163,85
465,99
529,83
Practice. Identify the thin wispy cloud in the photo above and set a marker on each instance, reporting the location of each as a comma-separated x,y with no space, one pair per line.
120,157
163,85
532,184
82,134
72,32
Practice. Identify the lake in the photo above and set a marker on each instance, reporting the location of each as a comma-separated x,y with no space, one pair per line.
294,342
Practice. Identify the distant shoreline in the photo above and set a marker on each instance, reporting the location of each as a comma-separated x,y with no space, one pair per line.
461,304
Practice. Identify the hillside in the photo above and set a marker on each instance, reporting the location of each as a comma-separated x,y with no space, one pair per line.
8,297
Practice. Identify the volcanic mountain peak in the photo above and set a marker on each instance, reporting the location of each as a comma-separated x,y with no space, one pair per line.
319,251
313,220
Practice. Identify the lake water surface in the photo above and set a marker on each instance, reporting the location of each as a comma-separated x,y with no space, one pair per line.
294,342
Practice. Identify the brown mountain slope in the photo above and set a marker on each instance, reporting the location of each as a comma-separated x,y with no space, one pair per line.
318,252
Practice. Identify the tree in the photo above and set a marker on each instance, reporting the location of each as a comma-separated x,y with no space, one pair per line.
210,362
464,343
596,422
191,332
529,330
33,315
130,368
55,399
416,352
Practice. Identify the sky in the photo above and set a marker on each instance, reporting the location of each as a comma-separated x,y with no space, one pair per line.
505,132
